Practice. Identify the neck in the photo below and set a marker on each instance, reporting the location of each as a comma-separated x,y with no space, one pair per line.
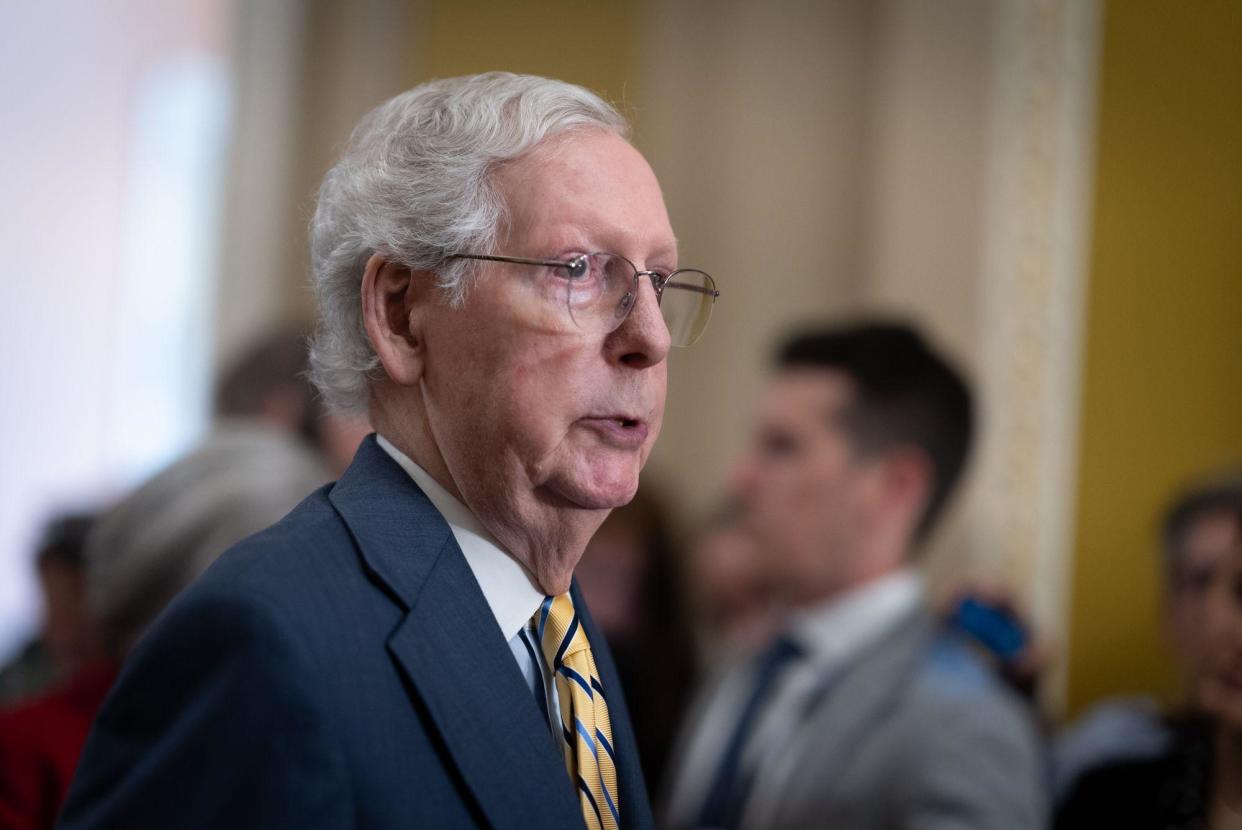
543,532
546,535
405,427
866,567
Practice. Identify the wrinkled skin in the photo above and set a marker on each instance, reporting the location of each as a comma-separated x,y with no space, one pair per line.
539,427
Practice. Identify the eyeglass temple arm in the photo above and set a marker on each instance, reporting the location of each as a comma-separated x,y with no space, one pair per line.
711,292
552,263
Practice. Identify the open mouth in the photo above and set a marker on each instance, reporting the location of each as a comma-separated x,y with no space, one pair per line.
622,431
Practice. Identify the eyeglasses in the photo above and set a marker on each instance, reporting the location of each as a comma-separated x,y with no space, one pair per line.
601,289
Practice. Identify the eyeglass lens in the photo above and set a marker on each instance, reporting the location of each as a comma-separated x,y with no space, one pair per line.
601,296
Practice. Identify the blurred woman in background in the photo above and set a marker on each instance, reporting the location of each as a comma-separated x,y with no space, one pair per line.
1198,783
1222,696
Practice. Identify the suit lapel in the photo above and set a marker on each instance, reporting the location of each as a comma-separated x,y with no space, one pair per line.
451,650
863,693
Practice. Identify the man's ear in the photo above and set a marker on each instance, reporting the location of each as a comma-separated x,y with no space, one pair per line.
909,476
395,302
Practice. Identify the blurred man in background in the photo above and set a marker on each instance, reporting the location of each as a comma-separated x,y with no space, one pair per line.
272,443
268,383
864,712
163,535
498,290
140,554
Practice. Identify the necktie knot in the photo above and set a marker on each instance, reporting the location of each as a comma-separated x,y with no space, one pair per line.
560,633
780,652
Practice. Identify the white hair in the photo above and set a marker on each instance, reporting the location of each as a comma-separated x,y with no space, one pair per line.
414,186
160,537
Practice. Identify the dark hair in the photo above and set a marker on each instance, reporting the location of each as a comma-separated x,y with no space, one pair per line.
275,363
904,394
64,540
1223,492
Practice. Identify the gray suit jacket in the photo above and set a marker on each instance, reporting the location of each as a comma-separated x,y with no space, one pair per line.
916,734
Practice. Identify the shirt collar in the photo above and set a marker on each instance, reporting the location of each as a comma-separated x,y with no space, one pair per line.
843,626
510,591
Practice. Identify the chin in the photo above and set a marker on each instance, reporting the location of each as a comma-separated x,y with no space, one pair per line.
1225,702
607,496
598,489
1230,716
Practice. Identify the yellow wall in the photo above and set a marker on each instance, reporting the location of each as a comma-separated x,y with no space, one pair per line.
588,42
1163,386
1163,372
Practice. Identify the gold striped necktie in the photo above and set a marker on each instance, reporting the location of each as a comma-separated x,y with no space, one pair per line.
585,726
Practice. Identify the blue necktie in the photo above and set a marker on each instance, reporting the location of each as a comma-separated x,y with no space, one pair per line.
727,795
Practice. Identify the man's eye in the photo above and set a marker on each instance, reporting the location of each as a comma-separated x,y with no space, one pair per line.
777,445
1195,583
578,267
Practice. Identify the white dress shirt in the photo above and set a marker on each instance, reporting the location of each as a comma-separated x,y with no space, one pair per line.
507,586
832,634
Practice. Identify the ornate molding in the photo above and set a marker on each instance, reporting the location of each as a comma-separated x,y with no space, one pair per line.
1036,230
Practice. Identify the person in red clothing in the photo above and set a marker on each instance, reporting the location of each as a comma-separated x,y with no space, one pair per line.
40,741
41,734
64,638
139,555
99,596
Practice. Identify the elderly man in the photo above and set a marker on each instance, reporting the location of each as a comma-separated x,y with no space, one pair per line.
863,713
498,290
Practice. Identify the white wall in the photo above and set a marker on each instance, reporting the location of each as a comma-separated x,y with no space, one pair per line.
115,119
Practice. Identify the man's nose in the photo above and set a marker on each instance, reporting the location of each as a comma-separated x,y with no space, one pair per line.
642,339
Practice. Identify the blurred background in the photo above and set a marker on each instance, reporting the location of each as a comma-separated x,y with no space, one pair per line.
1051,190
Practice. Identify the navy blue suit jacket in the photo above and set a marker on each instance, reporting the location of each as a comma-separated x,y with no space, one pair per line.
339,669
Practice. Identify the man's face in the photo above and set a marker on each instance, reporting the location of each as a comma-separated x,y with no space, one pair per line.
530,413
66,623
806,493
728,575
1201,565
1220,682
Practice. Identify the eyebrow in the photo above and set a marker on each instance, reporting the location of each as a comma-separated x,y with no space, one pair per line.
564,234
670,247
